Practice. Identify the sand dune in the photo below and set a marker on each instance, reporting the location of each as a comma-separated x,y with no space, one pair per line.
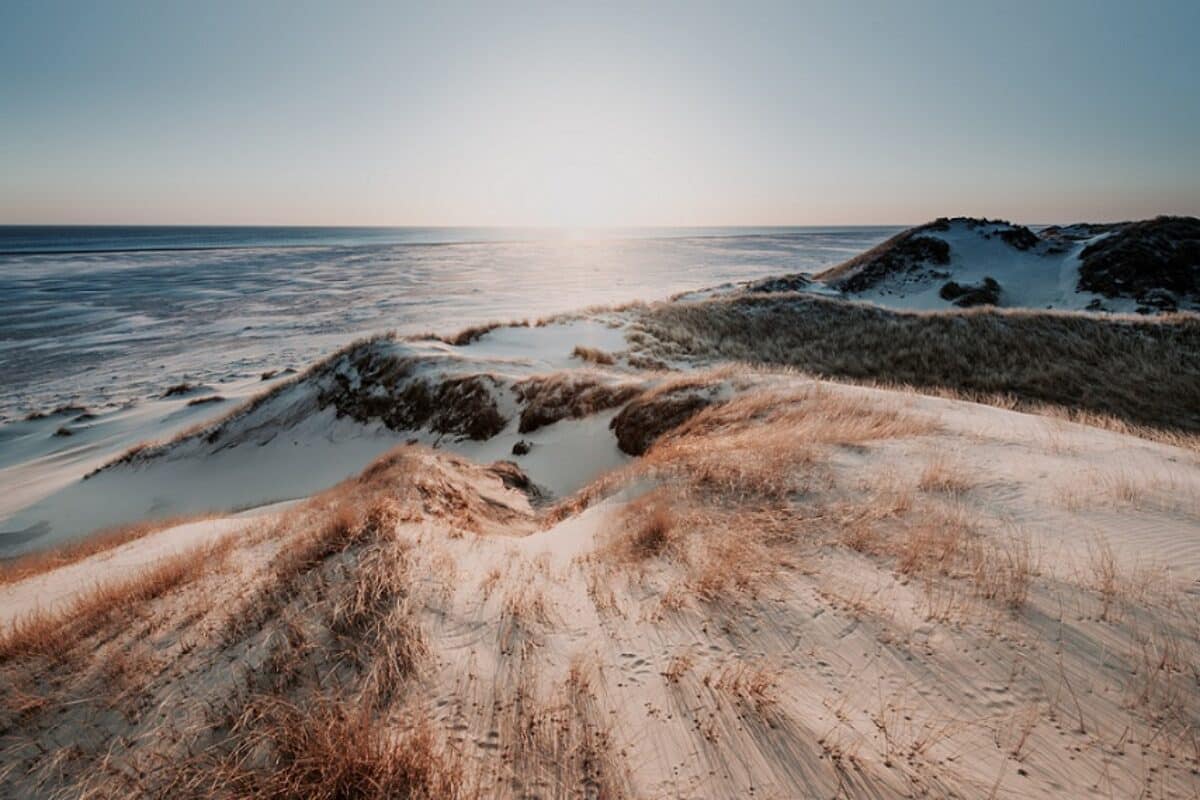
805,589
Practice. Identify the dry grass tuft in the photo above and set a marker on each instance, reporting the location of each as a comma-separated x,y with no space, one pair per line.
1003,571
679,665
1106,577
473,333
55,634
754,682
593,355
326,749
22,567
934,542
648,529
550,398
561,742
725,565
945,543
945,476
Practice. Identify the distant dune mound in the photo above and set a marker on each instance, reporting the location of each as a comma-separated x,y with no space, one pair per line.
1147,266
1156,261
905,253
920,250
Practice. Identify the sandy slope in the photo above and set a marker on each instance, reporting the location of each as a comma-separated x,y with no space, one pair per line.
1038,277
855,593
290,447
36,464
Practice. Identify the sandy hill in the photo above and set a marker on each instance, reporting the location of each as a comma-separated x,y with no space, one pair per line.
551,387
764,544
799,589
1148,266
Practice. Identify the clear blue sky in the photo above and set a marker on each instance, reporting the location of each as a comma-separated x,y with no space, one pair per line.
575,114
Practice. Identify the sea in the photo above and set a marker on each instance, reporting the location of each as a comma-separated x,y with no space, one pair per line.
101,316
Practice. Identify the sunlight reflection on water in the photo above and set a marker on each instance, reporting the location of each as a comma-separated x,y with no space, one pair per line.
103,327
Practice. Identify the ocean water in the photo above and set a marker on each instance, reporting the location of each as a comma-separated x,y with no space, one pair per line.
105,315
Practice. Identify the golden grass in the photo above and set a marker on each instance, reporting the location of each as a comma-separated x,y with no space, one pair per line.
679,665
1091,368
767,443
54,634
326,749
933,542
22,567
559,742
942,474
339,678
727,563
646,529
550,398
941,543
734,484
1122,489
755,682
593,355
473,333
1106,577
1002,570
399,486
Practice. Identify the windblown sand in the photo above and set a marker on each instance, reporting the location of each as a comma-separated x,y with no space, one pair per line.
804,590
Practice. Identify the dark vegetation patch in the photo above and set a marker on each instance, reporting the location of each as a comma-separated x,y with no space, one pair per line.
904,253
61,411
551,398
514,477
1059,238
1144,372
965,295
913,251
213,430
467,408
646,418
180,389
381,386
646,362
1020,237
783,283
1145,260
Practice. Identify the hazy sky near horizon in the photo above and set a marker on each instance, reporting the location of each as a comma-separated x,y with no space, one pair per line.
481,113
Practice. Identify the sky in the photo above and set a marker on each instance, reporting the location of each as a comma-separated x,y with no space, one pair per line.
572,114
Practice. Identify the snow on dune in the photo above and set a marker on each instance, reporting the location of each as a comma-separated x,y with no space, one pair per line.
1147,267
1037,276
45,454
324,426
